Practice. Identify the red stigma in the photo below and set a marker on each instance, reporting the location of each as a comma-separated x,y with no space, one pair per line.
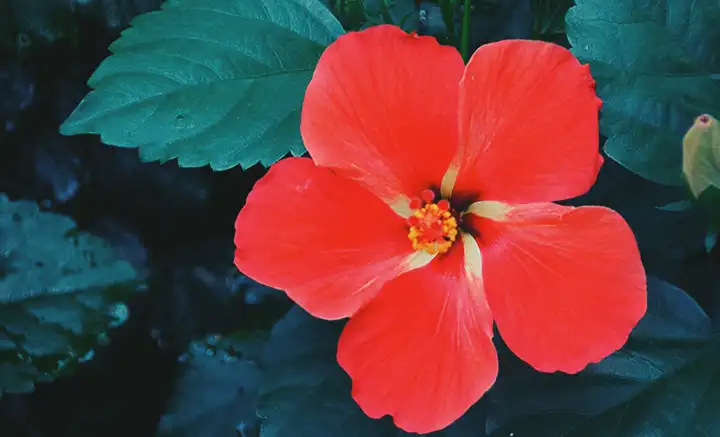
427,195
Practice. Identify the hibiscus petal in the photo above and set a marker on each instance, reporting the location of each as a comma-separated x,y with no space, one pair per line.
565,285
326,241
528,125
421,351
382,109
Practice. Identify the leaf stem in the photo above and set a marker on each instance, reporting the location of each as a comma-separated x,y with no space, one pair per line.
465,36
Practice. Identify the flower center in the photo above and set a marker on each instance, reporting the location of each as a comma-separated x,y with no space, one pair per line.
433,228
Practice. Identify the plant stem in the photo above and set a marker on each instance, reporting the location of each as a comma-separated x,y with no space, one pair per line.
385,12
465,35
448,8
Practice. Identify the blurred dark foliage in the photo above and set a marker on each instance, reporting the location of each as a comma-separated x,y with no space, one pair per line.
174,225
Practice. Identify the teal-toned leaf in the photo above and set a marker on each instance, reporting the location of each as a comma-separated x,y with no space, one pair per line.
684,403
303,381
304,392
710,241
216,394
709,205
60,292
218,83
669,342
656,65
678,206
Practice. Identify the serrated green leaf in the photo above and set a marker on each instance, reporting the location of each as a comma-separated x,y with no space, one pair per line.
656,67
60,292
217,392
674,335
218,83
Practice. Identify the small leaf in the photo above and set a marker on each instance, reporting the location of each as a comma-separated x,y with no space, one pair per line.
670,339
678,206
218,83
60,292
710,241
656,68
701,155
217,392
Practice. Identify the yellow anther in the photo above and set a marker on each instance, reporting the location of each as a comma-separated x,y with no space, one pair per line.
433,228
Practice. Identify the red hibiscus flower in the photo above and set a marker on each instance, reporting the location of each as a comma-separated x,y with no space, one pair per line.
424,216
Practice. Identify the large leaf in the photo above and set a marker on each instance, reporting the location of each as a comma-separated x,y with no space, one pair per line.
656,66
218,83
684,404
60,292
216,393
667,359
305,393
